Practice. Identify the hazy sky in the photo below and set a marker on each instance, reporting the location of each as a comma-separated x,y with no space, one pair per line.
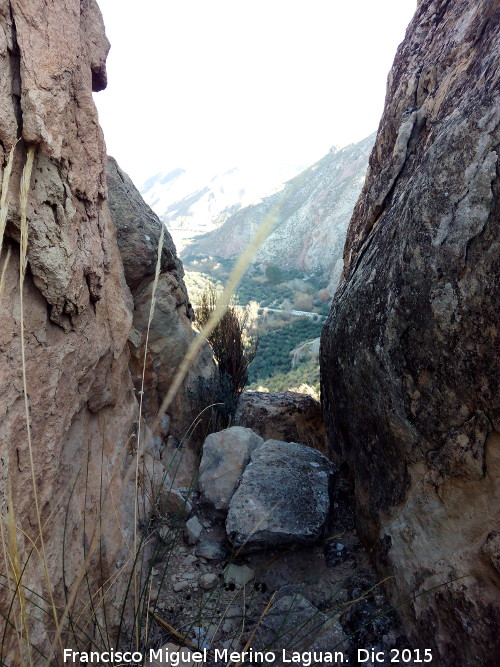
216,82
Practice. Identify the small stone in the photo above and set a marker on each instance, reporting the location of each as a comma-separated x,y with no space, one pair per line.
188,575
193,530
211,549
207,581
238,574
180,586
173,502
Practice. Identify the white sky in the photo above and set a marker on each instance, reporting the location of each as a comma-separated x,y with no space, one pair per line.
222,82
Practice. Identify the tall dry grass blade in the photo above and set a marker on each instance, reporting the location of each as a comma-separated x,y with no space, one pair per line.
141,398
4,209
4,206
14,560
4,271
23,260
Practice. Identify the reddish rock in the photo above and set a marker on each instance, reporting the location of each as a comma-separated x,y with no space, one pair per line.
77,317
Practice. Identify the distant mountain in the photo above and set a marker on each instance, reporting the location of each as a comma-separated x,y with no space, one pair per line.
314,211
196,201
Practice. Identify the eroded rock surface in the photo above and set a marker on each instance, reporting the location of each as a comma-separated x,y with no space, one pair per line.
283,497
285,415
409,355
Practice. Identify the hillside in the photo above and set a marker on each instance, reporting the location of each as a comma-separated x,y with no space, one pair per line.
314,210
193,201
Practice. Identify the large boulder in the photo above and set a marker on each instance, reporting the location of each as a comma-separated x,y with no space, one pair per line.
285,415
409,355
225,456
282,499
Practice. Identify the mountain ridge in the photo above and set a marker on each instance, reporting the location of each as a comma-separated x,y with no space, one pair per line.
314,209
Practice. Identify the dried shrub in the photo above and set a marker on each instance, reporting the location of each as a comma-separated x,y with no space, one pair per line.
234,344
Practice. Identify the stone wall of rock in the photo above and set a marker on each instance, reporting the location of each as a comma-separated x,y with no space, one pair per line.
77,315
138,234
409,354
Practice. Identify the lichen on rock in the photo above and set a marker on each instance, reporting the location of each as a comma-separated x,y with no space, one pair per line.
409,354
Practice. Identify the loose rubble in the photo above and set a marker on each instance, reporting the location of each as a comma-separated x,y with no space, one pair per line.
286,595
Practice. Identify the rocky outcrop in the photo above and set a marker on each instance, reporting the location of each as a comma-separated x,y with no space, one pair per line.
282,498
313,212
285,415
170,331
409,354
77,316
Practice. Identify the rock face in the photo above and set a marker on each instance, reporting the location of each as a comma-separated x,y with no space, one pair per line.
282,497
314,210
409,354
286,415
225,456
77,313
138,235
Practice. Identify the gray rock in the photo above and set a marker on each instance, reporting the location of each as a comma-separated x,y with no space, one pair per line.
180,586
409,355
137,230
207,581
284,415
193,530
225,456
238,574
211,549
283,497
